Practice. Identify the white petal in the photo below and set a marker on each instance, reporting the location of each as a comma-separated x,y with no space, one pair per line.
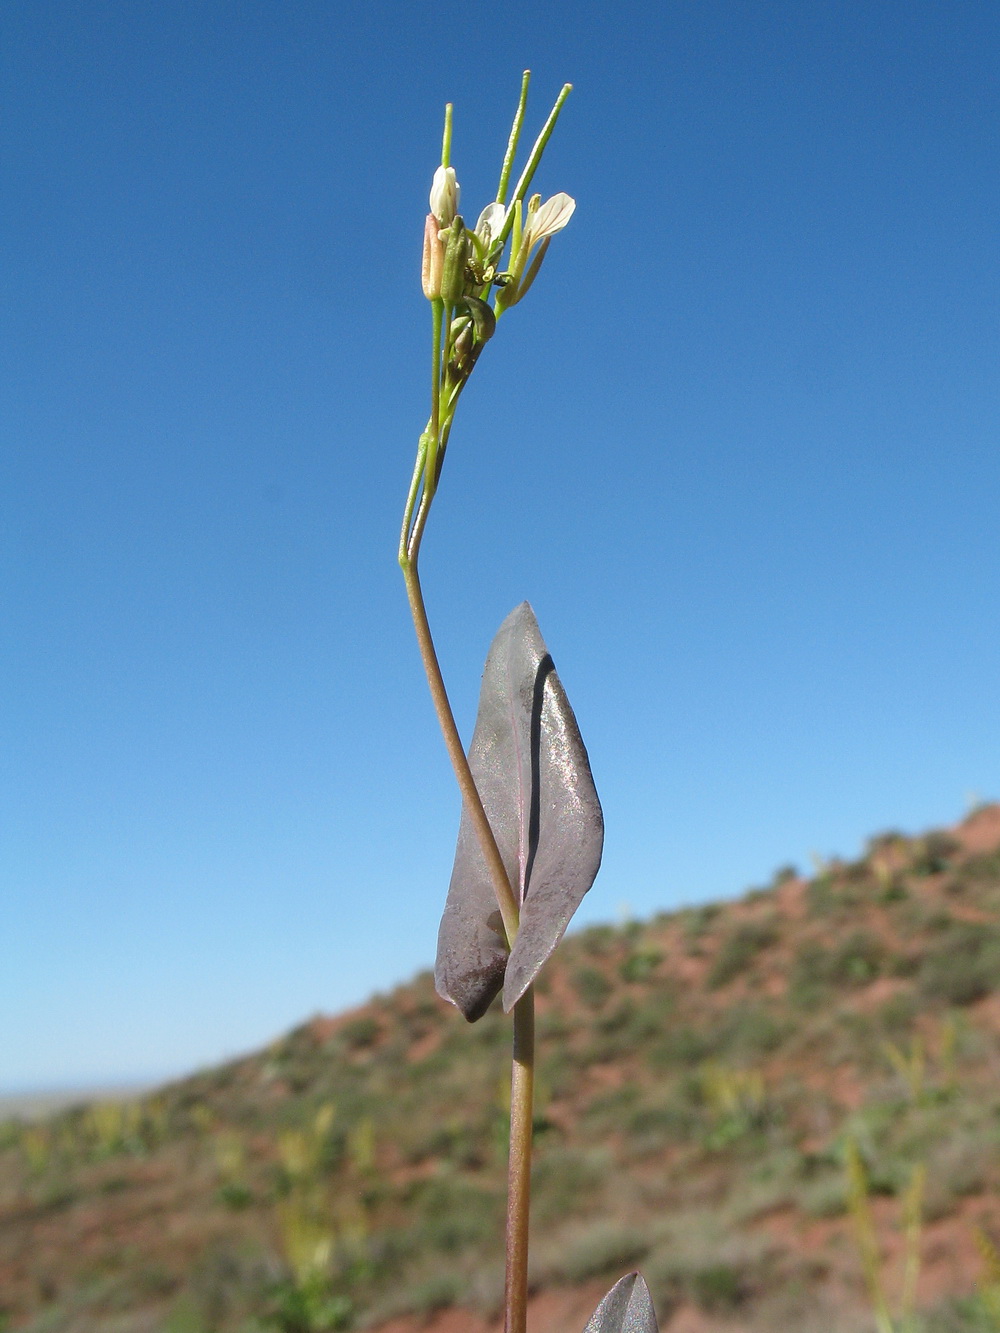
551,217
492,216
444,195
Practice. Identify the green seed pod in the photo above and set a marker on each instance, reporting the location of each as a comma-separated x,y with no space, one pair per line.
456,256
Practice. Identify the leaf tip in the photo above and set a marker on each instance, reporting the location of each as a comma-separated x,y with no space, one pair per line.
627,1308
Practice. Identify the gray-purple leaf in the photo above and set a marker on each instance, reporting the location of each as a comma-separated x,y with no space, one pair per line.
627,1308
534,779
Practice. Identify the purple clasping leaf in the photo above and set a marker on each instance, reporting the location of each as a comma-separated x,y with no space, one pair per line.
627,1308
533,776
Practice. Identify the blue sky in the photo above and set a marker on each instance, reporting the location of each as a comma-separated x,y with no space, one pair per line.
738,449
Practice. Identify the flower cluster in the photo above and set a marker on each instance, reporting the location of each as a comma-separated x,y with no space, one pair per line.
460,264
471,275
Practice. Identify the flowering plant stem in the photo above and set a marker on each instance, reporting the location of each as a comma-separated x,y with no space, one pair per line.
522,1085
459,269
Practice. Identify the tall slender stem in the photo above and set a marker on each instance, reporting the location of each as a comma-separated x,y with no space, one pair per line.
522,1083
456,751
522,1094
430,455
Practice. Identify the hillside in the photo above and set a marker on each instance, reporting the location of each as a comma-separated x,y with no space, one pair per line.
701,1074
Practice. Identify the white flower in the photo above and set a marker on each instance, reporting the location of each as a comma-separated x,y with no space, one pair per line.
543,221
490,223
445,192
546,219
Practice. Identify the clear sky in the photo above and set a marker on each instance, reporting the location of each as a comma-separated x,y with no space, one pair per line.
738,448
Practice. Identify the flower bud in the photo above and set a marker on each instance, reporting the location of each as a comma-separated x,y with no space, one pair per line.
483,319
456,256
444,195
433,260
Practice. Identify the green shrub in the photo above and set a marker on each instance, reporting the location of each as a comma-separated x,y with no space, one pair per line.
858,961
905,964
718,1287
604,1248
821,896
235,1195
680,1046
360,1033
964,966
567,1182
640,965
893,890
896,1016
808,978
454,1214
739,949
439,1292
982,868
695,921
598,941
592,986
748,1030
816,968
650,1127
885,842
933,854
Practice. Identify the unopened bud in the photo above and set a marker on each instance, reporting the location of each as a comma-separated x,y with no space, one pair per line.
444,195
433,261
456,256
483,319
461,350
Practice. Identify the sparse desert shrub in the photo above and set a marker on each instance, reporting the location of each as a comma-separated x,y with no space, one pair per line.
857,872
933,854
961,1314
964,966
858,961
607,1111
816,968
821,896
896,1016
824,1197
888,841
592,986
602,1248
453,1214
650,1127
905,964
360,1033
680,1047
981,869
736,1101
439,1292
598,941
567,1182
808,979
739,949
695,921
640,965
746,1031
892,889
718,1287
